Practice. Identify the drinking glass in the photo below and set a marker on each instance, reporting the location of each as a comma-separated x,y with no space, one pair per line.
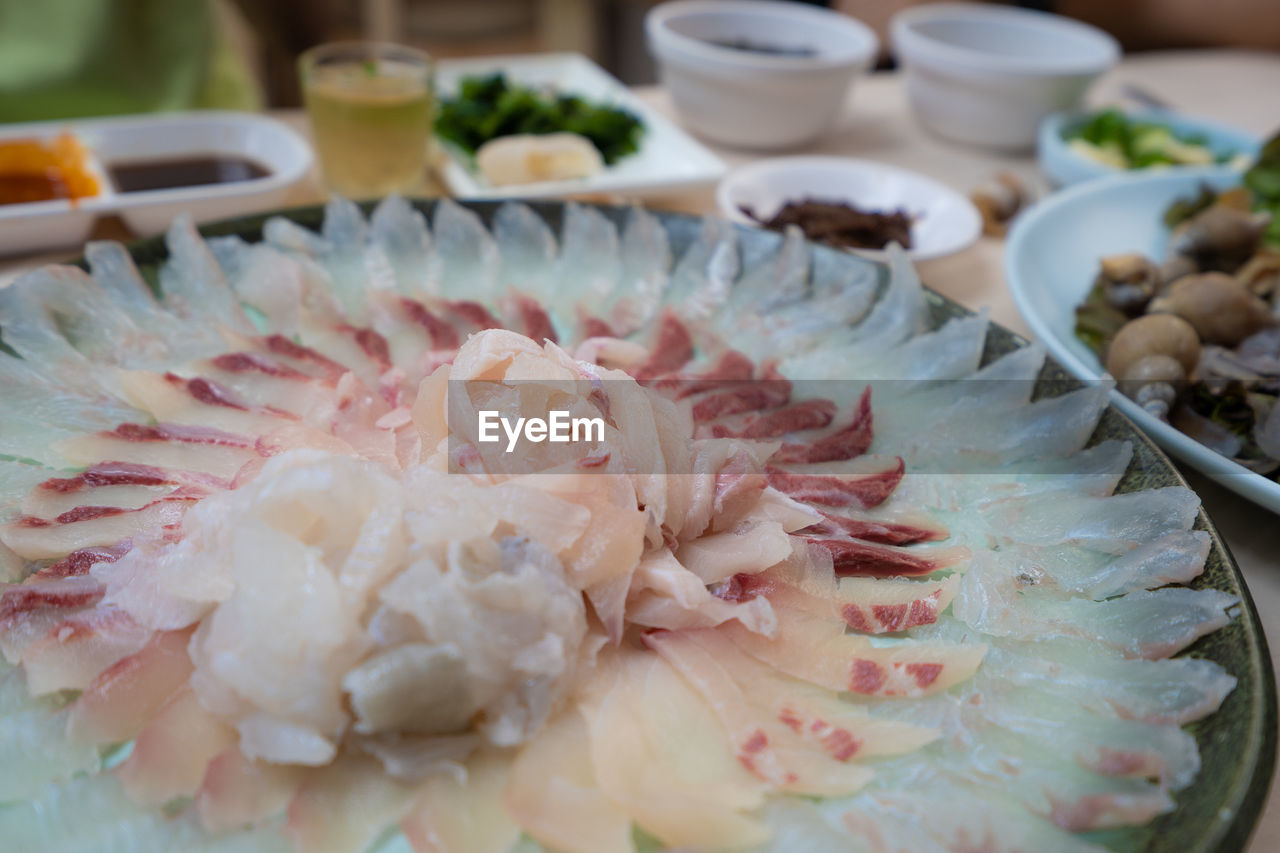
371,106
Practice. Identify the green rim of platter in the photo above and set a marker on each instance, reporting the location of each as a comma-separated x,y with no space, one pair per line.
1215,814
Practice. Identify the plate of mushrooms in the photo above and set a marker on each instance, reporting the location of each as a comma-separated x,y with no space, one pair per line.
1168,283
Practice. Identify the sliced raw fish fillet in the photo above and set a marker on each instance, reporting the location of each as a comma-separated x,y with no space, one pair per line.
818,651
88,527
34,749
400,233
319,819
587,271
948,353
934,817
900,314
1113,524
94,813
1174,558
780,277
465,256
645,257
1145,623
659,754
551,793
115,704
194,286
172,447
863,483
171,753
527,249
237,792
702,276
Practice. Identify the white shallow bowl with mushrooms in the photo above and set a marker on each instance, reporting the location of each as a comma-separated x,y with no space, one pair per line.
1195,309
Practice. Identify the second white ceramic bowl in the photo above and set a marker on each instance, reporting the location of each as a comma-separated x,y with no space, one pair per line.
750,99
987,75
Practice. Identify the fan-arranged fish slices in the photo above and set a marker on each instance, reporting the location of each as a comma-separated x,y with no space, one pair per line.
802,590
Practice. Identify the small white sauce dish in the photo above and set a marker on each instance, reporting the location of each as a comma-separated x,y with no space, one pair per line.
987,75
945,221
749,98
281,153
1063,165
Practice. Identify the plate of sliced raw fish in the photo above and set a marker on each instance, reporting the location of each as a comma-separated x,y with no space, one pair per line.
845,567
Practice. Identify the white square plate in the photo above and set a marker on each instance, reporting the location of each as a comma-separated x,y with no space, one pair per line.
668,159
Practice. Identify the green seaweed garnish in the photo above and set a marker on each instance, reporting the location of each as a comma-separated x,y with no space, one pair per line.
489,107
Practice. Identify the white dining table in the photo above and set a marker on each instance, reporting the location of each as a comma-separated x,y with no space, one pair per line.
1241,88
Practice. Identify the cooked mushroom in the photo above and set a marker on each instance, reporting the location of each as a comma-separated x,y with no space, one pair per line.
1153,334
1129,281
1218,306
1220,238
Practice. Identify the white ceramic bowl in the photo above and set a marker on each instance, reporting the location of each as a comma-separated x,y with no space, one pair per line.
987,75
747,98
1052,256
946,221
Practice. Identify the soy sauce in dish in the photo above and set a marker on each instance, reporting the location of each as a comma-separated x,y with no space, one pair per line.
759,47
142,175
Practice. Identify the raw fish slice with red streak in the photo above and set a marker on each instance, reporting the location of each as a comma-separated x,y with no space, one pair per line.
859,558
812,650
903,529
869,484
170,446
88,527
79,647
116,484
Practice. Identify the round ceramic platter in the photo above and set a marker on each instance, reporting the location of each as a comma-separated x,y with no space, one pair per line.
1052,257
1237,744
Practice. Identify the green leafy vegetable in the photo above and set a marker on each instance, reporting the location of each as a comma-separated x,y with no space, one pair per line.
1263,180
489,107
1112,137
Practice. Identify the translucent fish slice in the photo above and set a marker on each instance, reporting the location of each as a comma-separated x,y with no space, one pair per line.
34,748
645,254
400,232
466,258
193,284
527,248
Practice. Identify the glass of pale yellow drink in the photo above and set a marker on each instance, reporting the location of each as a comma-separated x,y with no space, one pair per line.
371,106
